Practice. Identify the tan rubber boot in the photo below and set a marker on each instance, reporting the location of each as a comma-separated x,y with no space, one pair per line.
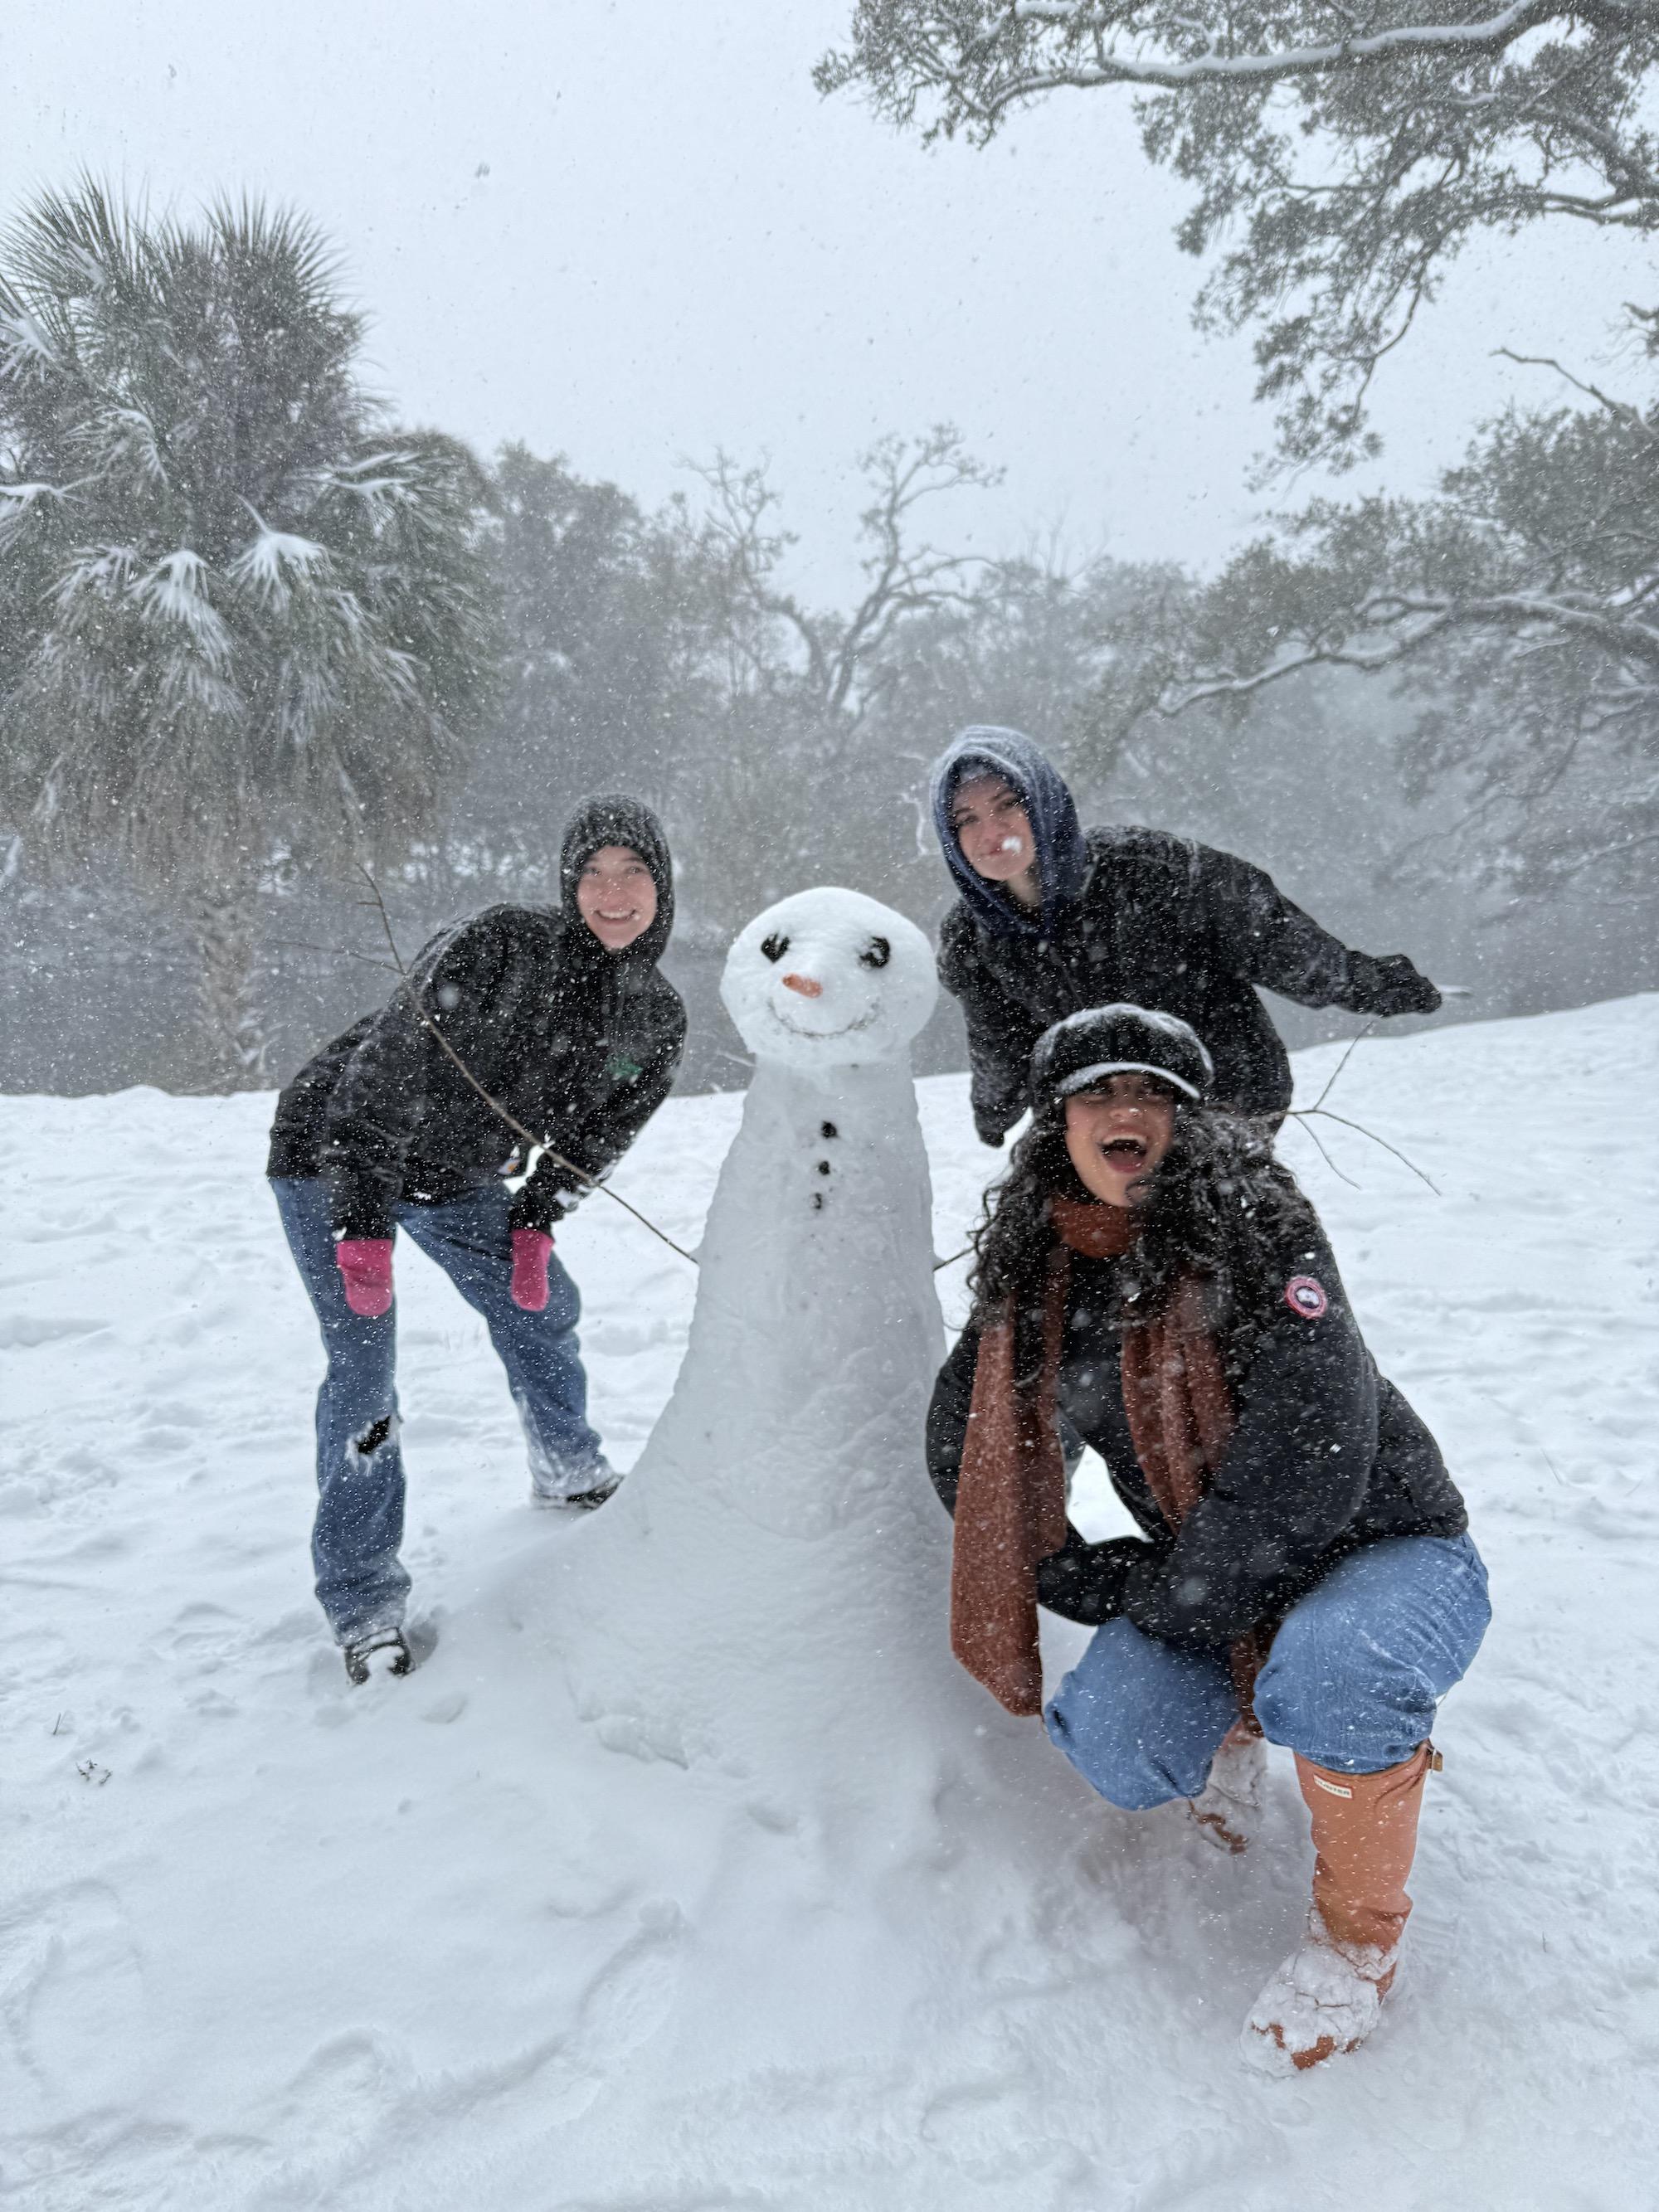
1326,1995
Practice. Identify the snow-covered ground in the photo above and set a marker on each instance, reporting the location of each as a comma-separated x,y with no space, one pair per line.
267,1942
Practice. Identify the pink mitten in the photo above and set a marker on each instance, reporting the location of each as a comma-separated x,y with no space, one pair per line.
531,1250
365,1265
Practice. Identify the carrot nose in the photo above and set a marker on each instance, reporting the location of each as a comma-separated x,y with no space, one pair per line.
807,986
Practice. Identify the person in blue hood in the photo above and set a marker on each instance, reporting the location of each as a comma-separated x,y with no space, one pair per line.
1051,918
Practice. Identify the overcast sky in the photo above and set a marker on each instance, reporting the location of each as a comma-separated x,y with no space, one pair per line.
631,233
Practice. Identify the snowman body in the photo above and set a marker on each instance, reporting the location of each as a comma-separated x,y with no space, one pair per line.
768,1590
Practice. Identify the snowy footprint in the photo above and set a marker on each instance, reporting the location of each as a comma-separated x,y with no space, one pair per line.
72,1997
379,2122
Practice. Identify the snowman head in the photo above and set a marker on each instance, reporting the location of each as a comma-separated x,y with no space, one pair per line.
829,978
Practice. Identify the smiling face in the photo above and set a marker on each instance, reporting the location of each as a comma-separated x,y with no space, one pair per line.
1116,1136
994,832
829,978
615,897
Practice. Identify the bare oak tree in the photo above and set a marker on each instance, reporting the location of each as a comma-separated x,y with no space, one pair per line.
788,770
841,655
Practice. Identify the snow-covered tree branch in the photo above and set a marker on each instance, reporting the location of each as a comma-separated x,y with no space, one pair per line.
1340,154
1520,608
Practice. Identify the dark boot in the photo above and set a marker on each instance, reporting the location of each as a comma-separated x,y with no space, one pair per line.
381,1651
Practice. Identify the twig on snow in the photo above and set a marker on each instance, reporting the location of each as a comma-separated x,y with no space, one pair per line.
1326,1112
338,952
1306,1114
1330,1081
1325,1155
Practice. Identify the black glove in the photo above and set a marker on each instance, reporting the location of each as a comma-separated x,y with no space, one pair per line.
988,1133
1087,1583
1391,985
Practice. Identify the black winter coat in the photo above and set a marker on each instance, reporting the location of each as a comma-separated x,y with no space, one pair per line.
1161,923
1327,1457
578,1043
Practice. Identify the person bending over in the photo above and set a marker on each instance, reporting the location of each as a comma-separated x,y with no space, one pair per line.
1149,1273
560,1015
1052,918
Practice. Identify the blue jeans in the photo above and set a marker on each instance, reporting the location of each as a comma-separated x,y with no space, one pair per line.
360,1582
1355,1673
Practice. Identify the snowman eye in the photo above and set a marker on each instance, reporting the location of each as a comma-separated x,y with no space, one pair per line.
877,955
775,947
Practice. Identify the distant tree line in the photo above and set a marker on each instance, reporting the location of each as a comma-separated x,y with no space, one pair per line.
256,635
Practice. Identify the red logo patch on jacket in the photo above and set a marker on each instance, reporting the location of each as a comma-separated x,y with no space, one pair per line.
1305,1295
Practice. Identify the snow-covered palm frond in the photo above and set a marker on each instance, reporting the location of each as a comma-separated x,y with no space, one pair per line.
101,572
18,505
251,241
92,265
25,349
192,685
275,563
360,475
23,495
376,486
115,440
175,592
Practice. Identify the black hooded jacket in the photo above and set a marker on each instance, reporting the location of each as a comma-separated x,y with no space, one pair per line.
578,1043
1327,1457
1139,915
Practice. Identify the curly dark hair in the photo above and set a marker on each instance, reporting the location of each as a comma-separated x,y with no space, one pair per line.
1219,1206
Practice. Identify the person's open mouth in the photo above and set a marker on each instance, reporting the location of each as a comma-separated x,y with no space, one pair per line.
1126,1154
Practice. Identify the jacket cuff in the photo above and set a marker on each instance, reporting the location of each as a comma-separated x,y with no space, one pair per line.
358,1205
1085,1581
538,1209
995,1117
1149,1601
1360,985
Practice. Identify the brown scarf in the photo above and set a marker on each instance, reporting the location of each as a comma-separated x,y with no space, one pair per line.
1010,1492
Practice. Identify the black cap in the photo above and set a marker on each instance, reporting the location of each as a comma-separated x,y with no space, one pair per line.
1079,1053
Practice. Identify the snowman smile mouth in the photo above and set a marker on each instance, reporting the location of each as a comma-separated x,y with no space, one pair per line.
846,1029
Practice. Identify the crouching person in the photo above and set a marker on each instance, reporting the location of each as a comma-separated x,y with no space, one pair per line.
1149,1275
560,1015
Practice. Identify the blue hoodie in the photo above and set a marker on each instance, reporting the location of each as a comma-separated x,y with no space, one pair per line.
1062,858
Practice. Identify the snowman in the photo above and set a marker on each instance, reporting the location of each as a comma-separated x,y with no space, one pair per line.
767,1593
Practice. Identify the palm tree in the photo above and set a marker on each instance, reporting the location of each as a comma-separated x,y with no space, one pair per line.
239,612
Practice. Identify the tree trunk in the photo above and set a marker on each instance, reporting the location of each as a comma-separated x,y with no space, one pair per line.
221,922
